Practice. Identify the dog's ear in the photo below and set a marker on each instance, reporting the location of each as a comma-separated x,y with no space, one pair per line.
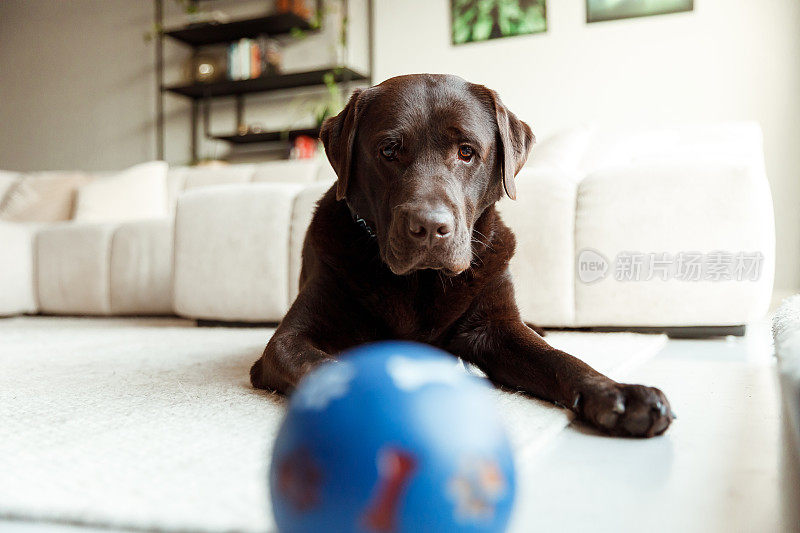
516,141
338,136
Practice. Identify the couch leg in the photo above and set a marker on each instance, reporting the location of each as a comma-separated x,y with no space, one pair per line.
205,323
678,332
684,332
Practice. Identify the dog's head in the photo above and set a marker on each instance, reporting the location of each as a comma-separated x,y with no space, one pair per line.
420,157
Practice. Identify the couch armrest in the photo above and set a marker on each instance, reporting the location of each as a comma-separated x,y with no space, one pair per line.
17,283
715,214
231,258
543,221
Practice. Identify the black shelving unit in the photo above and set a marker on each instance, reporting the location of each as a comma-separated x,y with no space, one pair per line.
267,136
266,83
215,33
200,95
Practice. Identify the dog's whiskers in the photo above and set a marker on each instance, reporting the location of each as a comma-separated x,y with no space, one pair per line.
487,243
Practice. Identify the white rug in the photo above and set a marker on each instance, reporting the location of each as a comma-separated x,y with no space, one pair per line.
151,424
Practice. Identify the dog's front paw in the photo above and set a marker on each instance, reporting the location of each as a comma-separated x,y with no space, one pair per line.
623,410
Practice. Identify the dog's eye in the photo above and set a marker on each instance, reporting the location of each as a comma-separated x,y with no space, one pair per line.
389,152
465,152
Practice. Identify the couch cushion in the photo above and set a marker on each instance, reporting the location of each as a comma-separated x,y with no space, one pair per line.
8,180
43,197
671,238
208,175
231,252
72,265
562,152
543,220
105,268
325,173
17,290
303,210
138,192
722,142
293,171
176,180
141,268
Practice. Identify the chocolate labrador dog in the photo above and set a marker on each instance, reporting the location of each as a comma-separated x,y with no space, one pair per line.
408,245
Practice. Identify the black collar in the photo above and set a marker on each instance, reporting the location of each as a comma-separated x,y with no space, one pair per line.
362,224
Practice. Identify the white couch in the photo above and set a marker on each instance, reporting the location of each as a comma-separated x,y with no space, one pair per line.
589,203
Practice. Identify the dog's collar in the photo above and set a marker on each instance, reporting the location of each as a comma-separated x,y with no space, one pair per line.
360,222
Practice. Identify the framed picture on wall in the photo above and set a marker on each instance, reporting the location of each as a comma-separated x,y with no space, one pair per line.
601,10
481,20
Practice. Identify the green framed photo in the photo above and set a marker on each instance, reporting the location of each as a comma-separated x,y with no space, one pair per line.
480,20
602,10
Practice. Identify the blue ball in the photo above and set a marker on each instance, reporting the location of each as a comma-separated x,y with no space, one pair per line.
394,437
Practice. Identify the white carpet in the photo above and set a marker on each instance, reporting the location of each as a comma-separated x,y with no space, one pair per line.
150,424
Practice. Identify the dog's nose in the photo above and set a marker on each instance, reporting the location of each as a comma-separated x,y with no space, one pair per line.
430,225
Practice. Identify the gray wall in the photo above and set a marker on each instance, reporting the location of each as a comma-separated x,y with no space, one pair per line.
76,84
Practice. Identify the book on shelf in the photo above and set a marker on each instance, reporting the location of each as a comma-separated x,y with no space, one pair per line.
247,59
232,61
255,60
244,59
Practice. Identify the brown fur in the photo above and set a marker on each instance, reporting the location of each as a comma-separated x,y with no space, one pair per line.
355,288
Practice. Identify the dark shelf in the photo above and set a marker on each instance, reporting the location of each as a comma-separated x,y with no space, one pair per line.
262,84
267,136
215,33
